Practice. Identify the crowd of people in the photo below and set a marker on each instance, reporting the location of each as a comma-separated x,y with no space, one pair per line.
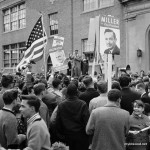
65,113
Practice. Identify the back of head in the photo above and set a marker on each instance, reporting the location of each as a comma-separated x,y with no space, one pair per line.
56,82
9,96
87,80
32,100
45,82
114,95
115,85
38,88
75,81
66,81
147,108
124,81
72,90
7,80
102,86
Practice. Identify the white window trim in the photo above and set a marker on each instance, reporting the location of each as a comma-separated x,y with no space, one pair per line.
9,8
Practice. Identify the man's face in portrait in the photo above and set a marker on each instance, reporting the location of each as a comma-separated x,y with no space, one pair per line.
110,40
59,56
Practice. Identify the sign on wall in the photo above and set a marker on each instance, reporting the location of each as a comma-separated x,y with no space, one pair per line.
109,35
59,60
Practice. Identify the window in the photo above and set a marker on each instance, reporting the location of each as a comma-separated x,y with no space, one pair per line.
14,17
90,4
94,4
106,3
53,23
13,54
86,49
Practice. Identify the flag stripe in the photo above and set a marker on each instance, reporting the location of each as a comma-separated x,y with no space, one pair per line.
33,46
38,55
37,49
38,58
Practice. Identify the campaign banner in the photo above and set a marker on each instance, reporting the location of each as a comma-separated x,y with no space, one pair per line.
58,41
59,60
109,35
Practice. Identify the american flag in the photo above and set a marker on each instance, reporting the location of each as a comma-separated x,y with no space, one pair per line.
35,46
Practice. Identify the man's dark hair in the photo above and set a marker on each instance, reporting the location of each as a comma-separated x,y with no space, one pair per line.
32,100
45,82
66,81
109,30
56,82
115,85
114,95
9,96
38,88
102,86
147,109
7,80
87,80
124,81
75,81
72,90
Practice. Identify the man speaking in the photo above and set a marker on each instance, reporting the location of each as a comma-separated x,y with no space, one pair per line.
110,39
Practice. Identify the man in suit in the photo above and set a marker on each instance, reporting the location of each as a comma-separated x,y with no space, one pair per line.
128,95
76,64
90,92
109,124
110,38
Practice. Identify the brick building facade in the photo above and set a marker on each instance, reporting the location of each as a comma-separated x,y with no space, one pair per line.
66,18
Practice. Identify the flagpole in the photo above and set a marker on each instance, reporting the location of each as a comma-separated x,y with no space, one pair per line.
44,46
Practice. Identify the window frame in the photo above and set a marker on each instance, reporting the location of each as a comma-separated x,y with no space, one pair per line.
89,5
106,3
11,19
53,24
86,50
12,59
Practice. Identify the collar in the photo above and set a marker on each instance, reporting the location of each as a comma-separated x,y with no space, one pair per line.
103,94
33,119
8,110
137,116
143,94
127,87
111,105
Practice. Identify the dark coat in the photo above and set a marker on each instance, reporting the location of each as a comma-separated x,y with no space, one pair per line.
71,120
84,66
128,97
145,98
88,95
116,51
50,101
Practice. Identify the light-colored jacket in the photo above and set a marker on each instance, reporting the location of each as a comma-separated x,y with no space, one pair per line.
109,125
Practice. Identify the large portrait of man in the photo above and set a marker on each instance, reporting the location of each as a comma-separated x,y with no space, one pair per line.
109,41
58,58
